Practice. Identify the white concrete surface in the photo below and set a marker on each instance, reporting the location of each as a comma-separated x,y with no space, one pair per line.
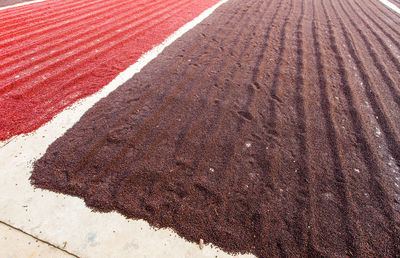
21,4
65,221
391,6
15,244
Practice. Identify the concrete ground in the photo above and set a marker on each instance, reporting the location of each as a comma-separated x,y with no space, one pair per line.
16,243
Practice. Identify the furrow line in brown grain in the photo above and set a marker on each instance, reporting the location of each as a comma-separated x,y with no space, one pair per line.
237,133
274,91
254,86
385,47
317,147
212,128
386,11
332,135
256,69
247,39
375,22
377,185
375,19
269,177
305,180
355,116
193,127
389,129
200,83
194,130
188,73
292,223
358,124
272,136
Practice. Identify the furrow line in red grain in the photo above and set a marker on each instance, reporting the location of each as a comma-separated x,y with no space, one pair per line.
99,26
19,60
32,63
29,37
22,86
26,24
15,28
23,11
74,80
